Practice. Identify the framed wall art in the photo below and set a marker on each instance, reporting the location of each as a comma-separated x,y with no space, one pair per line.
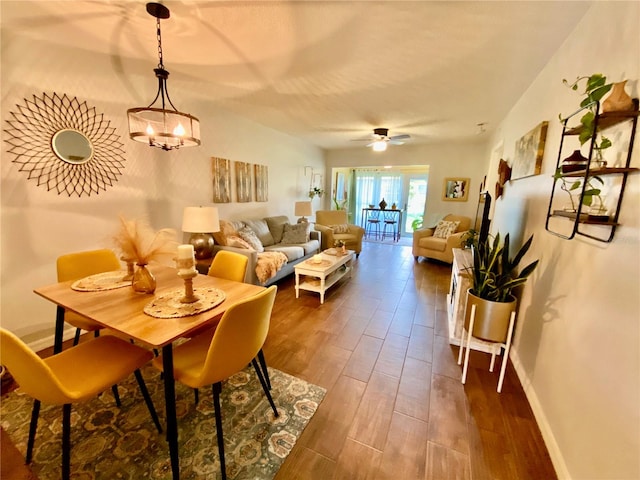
221,180
527,159
243,182
262,182
455,189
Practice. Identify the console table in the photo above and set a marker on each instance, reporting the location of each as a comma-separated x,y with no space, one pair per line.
457,302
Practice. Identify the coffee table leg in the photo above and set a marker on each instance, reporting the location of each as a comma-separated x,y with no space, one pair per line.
297,284
322,289
170,405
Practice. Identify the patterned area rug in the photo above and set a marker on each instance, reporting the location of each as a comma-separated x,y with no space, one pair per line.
108,442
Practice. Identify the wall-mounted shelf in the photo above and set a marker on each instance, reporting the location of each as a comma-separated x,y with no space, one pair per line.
579,220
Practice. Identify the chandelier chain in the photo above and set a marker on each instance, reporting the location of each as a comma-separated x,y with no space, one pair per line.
159,36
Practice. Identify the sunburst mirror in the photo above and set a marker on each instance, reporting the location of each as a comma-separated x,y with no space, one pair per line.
65,145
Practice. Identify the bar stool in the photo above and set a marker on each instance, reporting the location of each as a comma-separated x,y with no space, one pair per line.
373,224
391,222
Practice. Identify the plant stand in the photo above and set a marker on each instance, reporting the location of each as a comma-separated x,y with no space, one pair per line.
469,340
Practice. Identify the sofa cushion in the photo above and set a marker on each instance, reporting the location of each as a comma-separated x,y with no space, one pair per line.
433,243
298,233
237,241
276,226
249,236
293,252
445,229
261,230
226,229
342,228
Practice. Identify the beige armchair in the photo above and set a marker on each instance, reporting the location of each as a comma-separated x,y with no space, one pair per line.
326,219
428,246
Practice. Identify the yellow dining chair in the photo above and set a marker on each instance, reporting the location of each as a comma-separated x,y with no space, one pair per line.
75,266
212,357
233,266
73,376
229,265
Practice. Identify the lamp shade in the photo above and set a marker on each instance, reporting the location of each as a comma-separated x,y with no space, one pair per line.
302,209
200,220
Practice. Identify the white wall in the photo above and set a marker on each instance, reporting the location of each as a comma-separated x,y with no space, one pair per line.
467,160
39,225
577,339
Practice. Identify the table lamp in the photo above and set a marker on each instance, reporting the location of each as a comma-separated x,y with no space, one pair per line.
302,209
201,222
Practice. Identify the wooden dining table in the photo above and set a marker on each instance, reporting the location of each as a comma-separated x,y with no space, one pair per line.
122,310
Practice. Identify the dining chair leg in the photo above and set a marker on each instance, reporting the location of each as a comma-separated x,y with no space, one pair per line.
66,441
196,396
147,400
217,389
76,338
263,364
264,387
116,395
33,426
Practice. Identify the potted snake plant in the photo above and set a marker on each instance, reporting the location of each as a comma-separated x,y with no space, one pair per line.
493,278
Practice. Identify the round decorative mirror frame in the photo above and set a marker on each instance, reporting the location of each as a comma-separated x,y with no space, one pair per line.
65,145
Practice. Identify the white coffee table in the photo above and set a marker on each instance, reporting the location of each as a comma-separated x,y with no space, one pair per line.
319,277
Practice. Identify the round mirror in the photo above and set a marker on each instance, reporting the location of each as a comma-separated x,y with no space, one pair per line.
72,146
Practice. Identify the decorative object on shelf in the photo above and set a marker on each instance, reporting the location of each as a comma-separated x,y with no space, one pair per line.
393,206
65,145
504,175
165,128
302,209
341,247
469,238
574,162
618,100
137,241
382,204
186,265
313,191
493,278
455,189
527,159
201,222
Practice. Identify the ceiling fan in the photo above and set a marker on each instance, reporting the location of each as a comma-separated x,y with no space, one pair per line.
380,139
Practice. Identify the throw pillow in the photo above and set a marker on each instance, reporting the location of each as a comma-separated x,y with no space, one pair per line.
235,241
251,238
298,233
261,229
226,229
445,229
343,228
276,226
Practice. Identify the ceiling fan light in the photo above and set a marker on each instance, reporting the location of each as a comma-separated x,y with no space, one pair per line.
379,146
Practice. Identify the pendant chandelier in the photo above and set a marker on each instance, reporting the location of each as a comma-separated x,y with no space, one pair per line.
160,126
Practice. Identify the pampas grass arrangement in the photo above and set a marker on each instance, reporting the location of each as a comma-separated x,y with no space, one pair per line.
139,243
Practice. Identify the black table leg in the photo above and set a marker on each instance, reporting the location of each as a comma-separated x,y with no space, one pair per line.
170,405
57,339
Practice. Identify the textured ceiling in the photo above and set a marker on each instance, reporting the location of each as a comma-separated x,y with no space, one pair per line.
326,72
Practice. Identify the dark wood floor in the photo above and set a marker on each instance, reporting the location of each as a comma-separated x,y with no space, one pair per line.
395,407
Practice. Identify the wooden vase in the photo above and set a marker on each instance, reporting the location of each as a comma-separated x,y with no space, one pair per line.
618,100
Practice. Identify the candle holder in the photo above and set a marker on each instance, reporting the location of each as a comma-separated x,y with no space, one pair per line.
187,271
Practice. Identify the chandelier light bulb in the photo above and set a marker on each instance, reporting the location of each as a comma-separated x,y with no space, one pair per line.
179,130
379,146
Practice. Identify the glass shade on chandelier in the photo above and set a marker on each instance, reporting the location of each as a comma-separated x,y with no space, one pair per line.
160,126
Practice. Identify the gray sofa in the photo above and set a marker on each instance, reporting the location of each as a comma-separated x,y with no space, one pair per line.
274,234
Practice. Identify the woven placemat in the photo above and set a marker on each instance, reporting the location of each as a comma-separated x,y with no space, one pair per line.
169,306
101,281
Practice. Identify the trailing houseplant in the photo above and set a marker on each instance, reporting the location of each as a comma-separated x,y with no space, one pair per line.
494,277
315,191
591,196
595,88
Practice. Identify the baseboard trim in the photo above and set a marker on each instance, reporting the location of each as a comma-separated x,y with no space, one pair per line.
48,341
547,434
